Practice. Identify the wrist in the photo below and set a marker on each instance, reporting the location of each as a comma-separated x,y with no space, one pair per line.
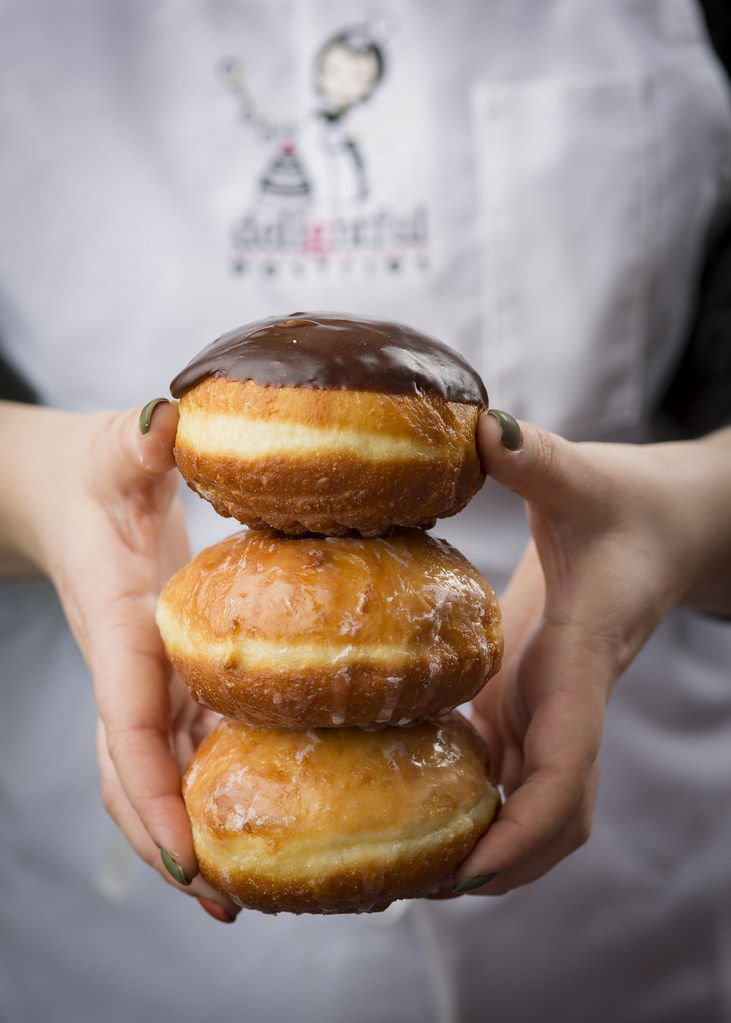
38,445
701,471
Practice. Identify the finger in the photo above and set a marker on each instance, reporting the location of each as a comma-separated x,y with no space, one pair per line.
130,461
521,608
546,470
175,551
124,649
574,513
574,833
564,687
131,681
121,811
191,723
536,812
540,823
152,442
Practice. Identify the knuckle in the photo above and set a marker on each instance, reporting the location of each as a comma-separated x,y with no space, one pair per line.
547,456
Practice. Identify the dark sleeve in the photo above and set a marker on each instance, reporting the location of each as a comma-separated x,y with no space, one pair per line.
717,14
698,398
13,387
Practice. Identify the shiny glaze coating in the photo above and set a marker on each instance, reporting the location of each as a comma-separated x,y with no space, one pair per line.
318,632
336,820
336,351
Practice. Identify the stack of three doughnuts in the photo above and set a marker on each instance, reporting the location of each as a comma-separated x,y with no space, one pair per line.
334,635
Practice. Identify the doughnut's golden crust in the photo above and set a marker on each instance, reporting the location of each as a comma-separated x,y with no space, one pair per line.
336,820
303,459
305,632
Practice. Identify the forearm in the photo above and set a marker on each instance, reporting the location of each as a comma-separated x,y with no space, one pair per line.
36,444
701,475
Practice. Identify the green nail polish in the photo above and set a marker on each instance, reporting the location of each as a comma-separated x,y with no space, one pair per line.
146,413
471,883
510,434
172,868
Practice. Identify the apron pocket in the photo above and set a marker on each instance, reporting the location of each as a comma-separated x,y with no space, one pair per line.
562,171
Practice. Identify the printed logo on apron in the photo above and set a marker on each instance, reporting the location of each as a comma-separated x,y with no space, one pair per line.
315,206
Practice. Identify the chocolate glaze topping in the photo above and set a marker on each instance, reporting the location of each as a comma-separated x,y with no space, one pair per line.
333,351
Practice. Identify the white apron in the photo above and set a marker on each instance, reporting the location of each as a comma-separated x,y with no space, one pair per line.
536,185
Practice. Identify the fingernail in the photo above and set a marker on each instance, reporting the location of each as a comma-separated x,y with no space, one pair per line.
172,868
146,413
216,911
472,882
510,435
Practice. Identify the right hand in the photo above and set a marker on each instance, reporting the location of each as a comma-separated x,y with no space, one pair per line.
112,533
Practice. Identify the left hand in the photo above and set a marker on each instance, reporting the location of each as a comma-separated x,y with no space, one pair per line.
617,541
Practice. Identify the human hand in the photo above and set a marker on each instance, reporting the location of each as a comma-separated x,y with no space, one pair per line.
618,539
111,535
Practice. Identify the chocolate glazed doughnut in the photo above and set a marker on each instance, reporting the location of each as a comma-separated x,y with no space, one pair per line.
330,424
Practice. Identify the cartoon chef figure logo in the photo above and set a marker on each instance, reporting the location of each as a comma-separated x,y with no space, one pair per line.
348,69
313,208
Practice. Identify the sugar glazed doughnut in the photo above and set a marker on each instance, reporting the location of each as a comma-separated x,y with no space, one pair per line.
336,820
304,632
329,424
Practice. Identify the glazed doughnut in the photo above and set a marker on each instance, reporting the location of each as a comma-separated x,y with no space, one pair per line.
304,632
336,820
328,424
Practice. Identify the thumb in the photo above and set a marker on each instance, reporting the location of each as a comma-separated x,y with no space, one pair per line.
545,470
151,443
137,448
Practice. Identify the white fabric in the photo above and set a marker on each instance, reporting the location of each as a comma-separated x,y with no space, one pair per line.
533,183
